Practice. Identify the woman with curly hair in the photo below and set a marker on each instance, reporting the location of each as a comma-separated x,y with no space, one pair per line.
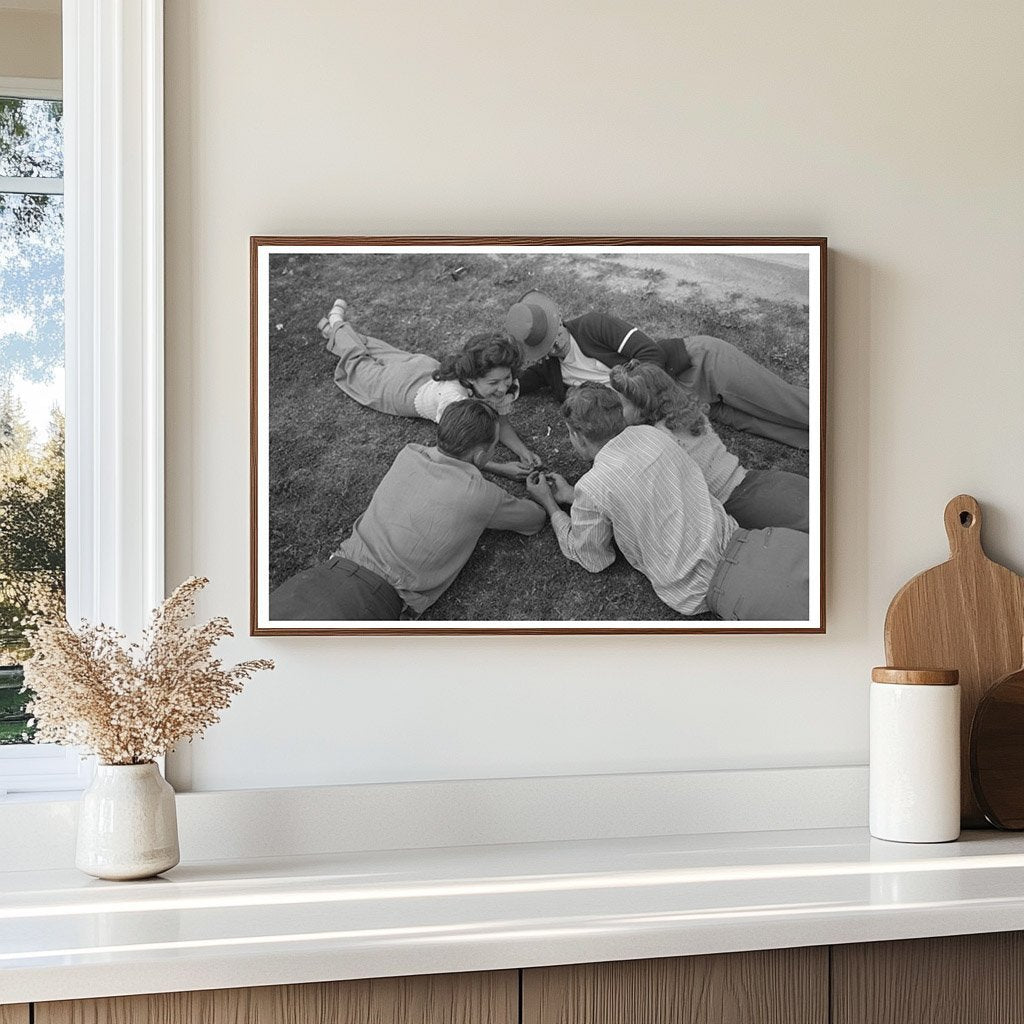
755,498
400,383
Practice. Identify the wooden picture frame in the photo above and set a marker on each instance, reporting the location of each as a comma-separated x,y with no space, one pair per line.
748,309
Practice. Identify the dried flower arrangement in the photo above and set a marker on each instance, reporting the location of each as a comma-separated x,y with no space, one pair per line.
129,704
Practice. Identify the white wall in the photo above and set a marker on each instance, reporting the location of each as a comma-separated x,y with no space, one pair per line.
30,41
894,129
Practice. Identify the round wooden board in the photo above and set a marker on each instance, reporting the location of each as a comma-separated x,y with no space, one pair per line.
968,614
997,752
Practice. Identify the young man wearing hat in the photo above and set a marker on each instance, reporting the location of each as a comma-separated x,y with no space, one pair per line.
645,494
741,392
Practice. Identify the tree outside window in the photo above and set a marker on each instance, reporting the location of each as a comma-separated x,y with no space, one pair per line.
32,545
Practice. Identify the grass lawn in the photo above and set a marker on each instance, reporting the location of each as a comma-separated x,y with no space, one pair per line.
328,453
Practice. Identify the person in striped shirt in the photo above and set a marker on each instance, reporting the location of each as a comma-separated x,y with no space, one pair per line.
753,497
646,495
740,392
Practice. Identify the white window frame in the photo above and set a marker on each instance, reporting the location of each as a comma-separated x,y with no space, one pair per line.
114,345
31,89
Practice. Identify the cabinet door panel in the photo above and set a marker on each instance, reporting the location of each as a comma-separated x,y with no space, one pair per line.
960,979
14,1014
778,986
482,998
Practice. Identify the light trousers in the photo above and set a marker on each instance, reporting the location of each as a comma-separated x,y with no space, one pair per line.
377,374
763,576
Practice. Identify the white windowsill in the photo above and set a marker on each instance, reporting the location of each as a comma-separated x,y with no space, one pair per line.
241,824
49,797
42,771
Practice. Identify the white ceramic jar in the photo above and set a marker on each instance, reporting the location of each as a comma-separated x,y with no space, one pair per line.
915,755
127,823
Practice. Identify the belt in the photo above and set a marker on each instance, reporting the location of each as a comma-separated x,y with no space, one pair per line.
361,571
729,557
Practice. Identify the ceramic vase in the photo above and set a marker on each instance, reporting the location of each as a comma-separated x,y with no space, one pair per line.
127,825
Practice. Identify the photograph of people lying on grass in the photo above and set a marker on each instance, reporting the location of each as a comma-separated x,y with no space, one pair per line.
489,436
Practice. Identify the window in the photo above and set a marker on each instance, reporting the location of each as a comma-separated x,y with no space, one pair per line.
32,533
113,330
31,380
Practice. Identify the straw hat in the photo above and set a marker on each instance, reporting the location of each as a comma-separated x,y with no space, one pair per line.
532,323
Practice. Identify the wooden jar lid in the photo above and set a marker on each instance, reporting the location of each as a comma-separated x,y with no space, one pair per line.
916,676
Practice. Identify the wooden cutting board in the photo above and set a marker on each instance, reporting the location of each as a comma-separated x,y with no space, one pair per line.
967,614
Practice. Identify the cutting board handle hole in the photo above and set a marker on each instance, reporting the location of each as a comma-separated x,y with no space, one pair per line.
966,519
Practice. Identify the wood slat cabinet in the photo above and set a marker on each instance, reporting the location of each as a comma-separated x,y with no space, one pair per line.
966,979
961,979
775,986
479,998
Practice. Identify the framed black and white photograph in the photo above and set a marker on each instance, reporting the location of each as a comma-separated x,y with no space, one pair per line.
537,435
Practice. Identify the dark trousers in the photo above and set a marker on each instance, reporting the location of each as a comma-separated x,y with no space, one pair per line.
335,591
771,497
745,395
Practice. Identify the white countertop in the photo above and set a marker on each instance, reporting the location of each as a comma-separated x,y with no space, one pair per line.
223,924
